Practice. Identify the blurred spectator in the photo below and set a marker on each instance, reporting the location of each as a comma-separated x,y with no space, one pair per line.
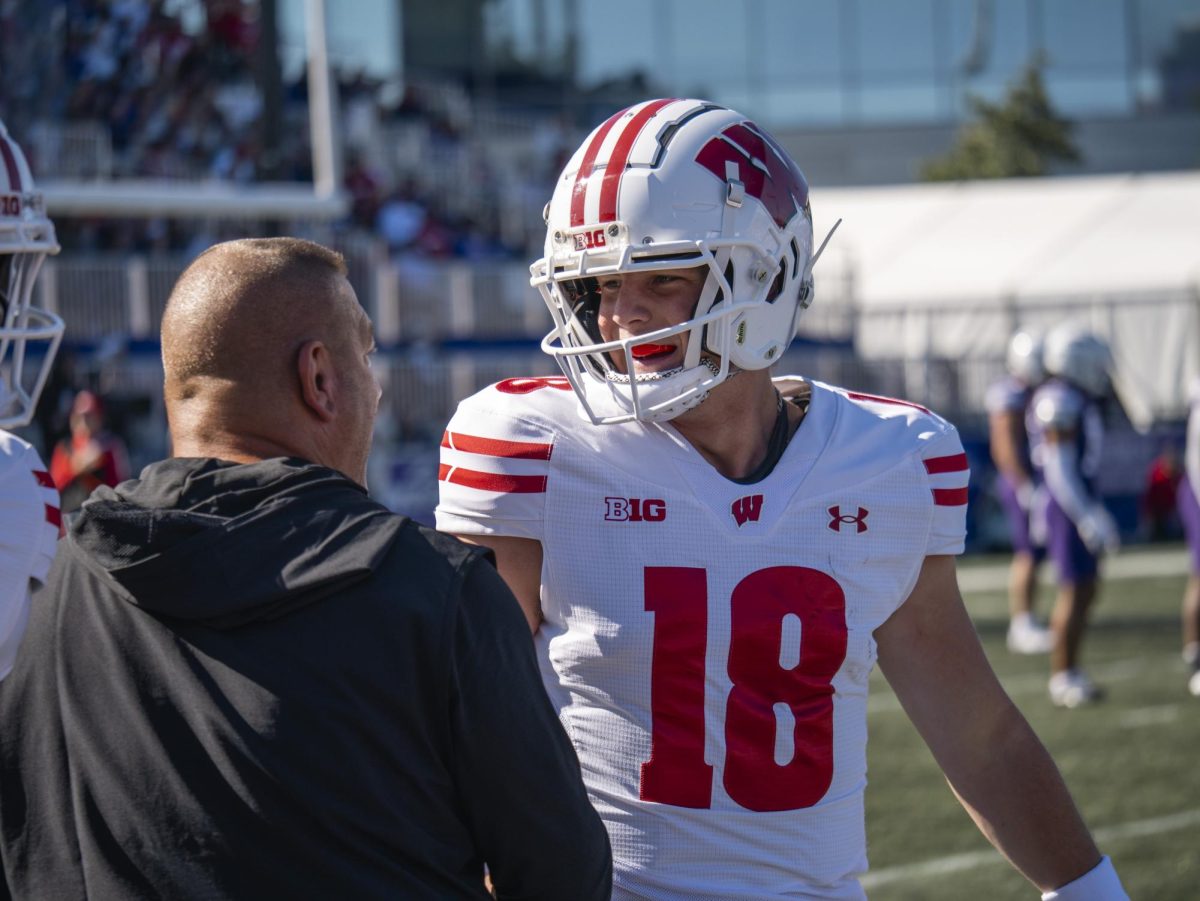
363,186
176,88
401,217
89,457
1159,517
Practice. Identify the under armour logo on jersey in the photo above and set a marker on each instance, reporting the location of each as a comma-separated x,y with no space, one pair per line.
747,509
837,519
635,509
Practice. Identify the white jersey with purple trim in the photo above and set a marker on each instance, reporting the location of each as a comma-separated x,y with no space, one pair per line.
708,644
29,521
1057,405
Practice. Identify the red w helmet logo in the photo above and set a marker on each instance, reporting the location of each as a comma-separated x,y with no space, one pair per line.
763,168
747,509
837,518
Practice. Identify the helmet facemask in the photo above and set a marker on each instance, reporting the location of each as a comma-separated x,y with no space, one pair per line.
29,336
29,339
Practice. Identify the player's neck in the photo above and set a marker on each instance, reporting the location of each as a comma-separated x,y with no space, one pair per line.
732,428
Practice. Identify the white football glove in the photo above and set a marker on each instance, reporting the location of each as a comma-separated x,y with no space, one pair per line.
1099,530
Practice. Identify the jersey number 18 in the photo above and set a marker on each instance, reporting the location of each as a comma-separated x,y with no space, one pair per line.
676,772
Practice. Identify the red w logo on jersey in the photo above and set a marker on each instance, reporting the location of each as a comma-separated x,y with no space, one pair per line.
747,509
763,168
837,518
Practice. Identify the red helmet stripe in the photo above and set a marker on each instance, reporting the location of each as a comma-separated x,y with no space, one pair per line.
620,156
10,164
579,193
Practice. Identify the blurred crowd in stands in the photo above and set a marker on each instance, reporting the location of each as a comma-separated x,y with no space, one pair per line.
183,100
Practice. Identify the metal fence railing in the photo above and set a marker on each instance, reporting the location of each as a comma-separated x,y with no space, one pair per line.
448,328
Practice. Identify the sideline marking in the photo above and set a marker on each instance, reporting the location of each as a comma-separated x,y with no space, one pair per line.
955,863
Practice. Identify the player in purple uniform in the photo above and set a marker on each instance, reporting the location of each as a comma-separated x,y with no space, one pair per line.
1007,401
1189,513
1066,433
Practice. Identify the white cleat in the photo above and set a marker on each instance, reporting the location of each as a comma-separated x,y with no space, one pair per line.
1194,684
1072,688
1027,636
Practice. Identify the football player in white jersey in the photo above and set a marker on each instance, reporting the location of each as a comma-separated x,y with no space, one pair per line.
29,337
712,561
1007,403
1066,436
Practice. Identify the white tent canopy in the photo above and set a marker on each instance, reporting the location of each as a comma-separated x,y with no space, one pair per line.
950,270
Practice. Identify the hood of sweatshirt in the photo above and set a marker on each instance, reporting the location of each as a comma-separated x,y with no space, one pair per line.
225,544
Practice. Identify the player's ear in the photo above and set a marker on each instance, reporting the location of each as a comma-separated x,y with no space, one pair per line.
314,367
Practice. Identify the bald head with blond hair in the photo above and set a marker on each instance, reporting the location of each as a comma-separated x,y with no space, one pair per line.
264,347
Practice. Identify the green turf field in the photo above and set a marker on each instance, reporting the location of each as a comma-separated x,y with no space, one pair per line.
1132,761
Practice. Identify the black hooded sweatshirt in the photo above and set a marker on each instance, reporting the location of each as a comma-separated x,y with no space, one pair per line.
252,681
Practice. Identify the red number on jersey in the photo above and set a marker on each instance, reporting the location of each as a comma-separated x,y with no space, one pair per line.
525,385
676,772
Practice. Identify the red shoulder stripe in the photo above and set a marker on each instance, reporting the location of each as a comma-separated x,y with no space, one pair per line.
496,447
855,395
491,481
53,516
953,463
949,497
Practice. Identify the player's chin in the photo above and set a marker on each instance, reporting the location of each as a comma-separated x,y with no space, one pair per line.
655,368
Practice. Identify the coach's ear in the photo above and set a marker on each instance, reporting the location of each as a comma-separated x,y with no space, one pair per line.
314,366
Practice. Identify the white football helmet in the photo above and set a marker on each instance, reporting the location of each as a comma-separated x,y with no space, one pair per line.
668,184
29,336
1024,359
1075,354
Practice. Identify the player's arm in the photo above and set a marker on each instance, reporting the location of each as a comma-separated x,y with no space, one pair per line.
1065,483
519,561
993,761
1006,432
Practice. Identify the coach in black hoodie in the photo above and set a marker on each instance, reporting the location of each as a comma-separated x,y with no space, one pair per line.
246,679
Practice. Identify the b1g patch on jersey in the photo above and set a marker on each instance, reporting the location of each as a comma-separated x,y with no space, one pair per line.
635,509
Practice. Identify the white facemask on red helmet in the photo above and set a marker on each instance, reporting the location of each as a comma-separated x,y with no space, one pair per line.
29,336
668,184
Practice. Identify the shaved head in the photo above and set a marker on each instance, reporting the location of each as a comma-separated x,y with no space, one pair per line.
242,307
235,334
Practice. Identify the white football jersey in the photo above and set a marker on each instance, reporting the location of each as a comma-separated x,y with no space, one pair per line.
708,644
29,523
